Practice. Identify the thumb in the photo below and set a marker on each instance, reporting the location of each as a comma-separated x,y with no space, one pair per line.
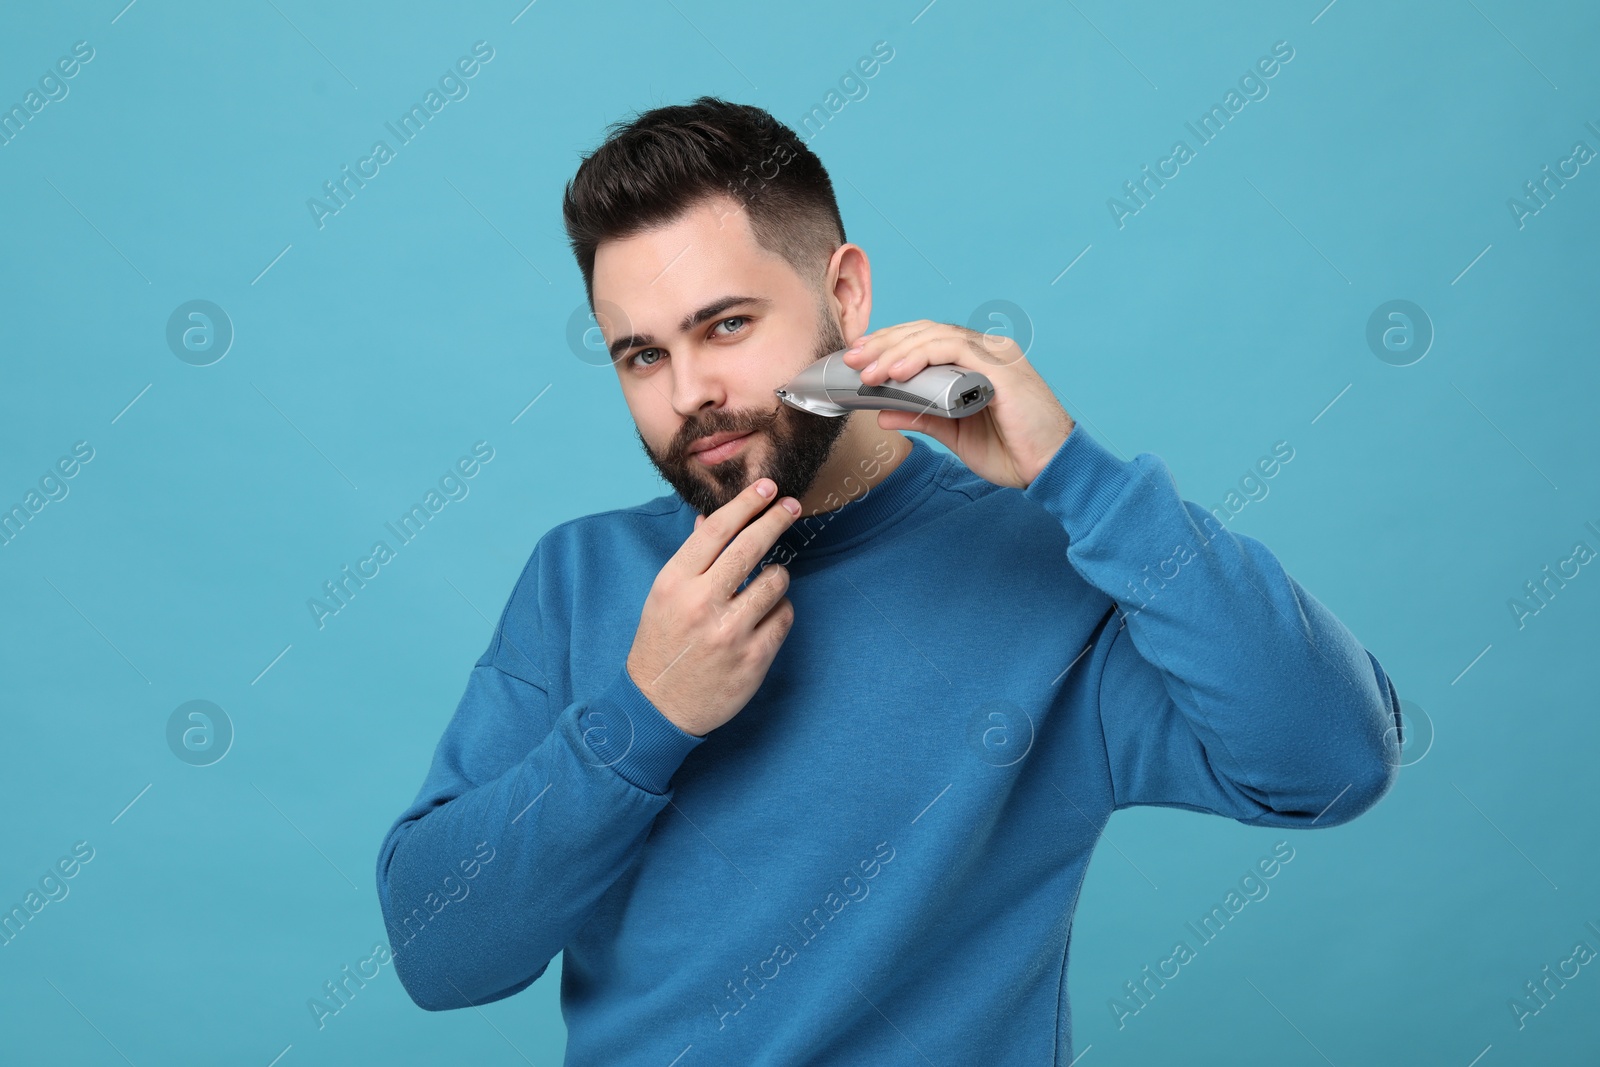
935,426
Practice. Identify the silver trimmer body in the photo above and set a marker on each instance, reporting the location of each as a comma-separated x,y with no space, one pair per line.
831,387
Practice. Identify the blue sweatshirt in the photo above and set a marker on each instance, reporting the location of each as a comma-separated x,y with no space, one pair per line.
878,859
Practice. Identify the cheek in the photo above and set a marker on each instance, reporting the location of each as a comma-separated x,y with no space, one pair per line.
786,426
654,420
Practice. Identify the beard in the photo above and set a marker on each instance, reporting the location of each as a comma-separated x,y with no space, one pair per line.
800,441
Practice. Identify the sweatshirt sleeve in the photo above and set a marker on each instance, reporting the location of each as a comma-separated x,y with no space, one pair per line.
529,812
1224,686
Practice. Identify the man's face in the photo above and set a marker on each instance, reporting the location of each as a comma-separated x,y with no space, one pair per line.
717,375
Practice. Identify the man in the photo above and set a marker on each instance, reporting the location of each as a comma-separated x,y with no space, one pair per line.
838,811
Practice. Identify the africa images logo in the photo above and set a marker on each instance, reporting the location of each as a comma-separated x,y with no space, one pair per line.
452,87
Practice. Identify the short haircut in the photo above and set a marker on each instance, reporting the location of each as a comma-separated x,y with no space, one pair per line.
668,160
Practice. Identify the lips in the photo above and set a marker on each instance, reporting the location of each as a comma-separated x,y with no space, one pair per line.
716,439
718,447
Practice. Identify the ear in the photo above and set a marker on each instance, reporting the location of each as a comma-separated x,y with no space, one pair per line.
849,289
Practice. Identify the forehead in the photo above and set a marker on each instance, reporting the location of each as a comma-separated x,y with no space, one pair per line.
706,252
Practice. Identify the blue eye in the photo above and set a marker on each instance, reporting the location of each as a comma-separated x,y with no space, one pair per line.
646,366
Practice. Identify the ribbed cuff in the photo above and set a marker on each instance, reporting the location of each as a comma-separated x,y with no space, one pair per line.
638,742
1081,482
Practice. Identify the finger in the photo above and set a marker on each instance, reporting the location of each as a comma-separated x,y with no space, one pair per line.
775,627
937,427
918,351
747,549
712,535
756,599
698,519
873,343
937,336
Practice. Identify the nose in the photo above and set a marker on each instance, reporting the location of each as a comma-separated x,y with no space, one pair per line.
696,384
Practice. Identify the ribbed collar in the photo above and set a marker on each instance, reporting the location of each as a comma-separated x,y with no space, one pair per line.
903,489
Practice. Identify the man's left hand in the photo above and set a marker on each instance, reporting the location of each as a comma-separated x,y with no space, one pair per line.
1012,439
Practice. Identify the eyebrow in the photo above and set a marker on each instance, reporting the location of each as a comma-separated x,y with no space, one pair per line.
690,321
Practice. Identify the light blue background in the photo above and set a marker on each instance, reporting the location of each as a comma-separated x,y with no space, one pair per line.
1225,316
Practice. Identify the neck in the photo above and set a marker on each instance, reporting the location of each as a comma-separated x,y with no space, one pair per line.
863,456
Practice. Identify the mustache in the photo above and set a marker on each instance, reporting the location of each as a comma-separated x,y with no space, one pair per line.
760,421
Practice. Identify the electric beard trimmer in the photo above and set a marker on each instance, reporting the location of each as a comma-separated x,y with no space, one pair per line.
832,387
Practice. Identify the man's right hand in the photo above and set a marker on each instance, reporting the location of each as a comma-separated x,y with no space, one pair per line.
701,651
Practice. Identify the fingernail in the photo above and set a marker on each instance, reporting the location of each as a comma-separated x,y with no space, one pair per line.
766,487
894,368
791,505
868,368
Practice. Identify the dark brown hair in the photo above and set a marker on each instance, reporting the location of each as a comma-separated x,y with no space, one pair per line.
651,170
